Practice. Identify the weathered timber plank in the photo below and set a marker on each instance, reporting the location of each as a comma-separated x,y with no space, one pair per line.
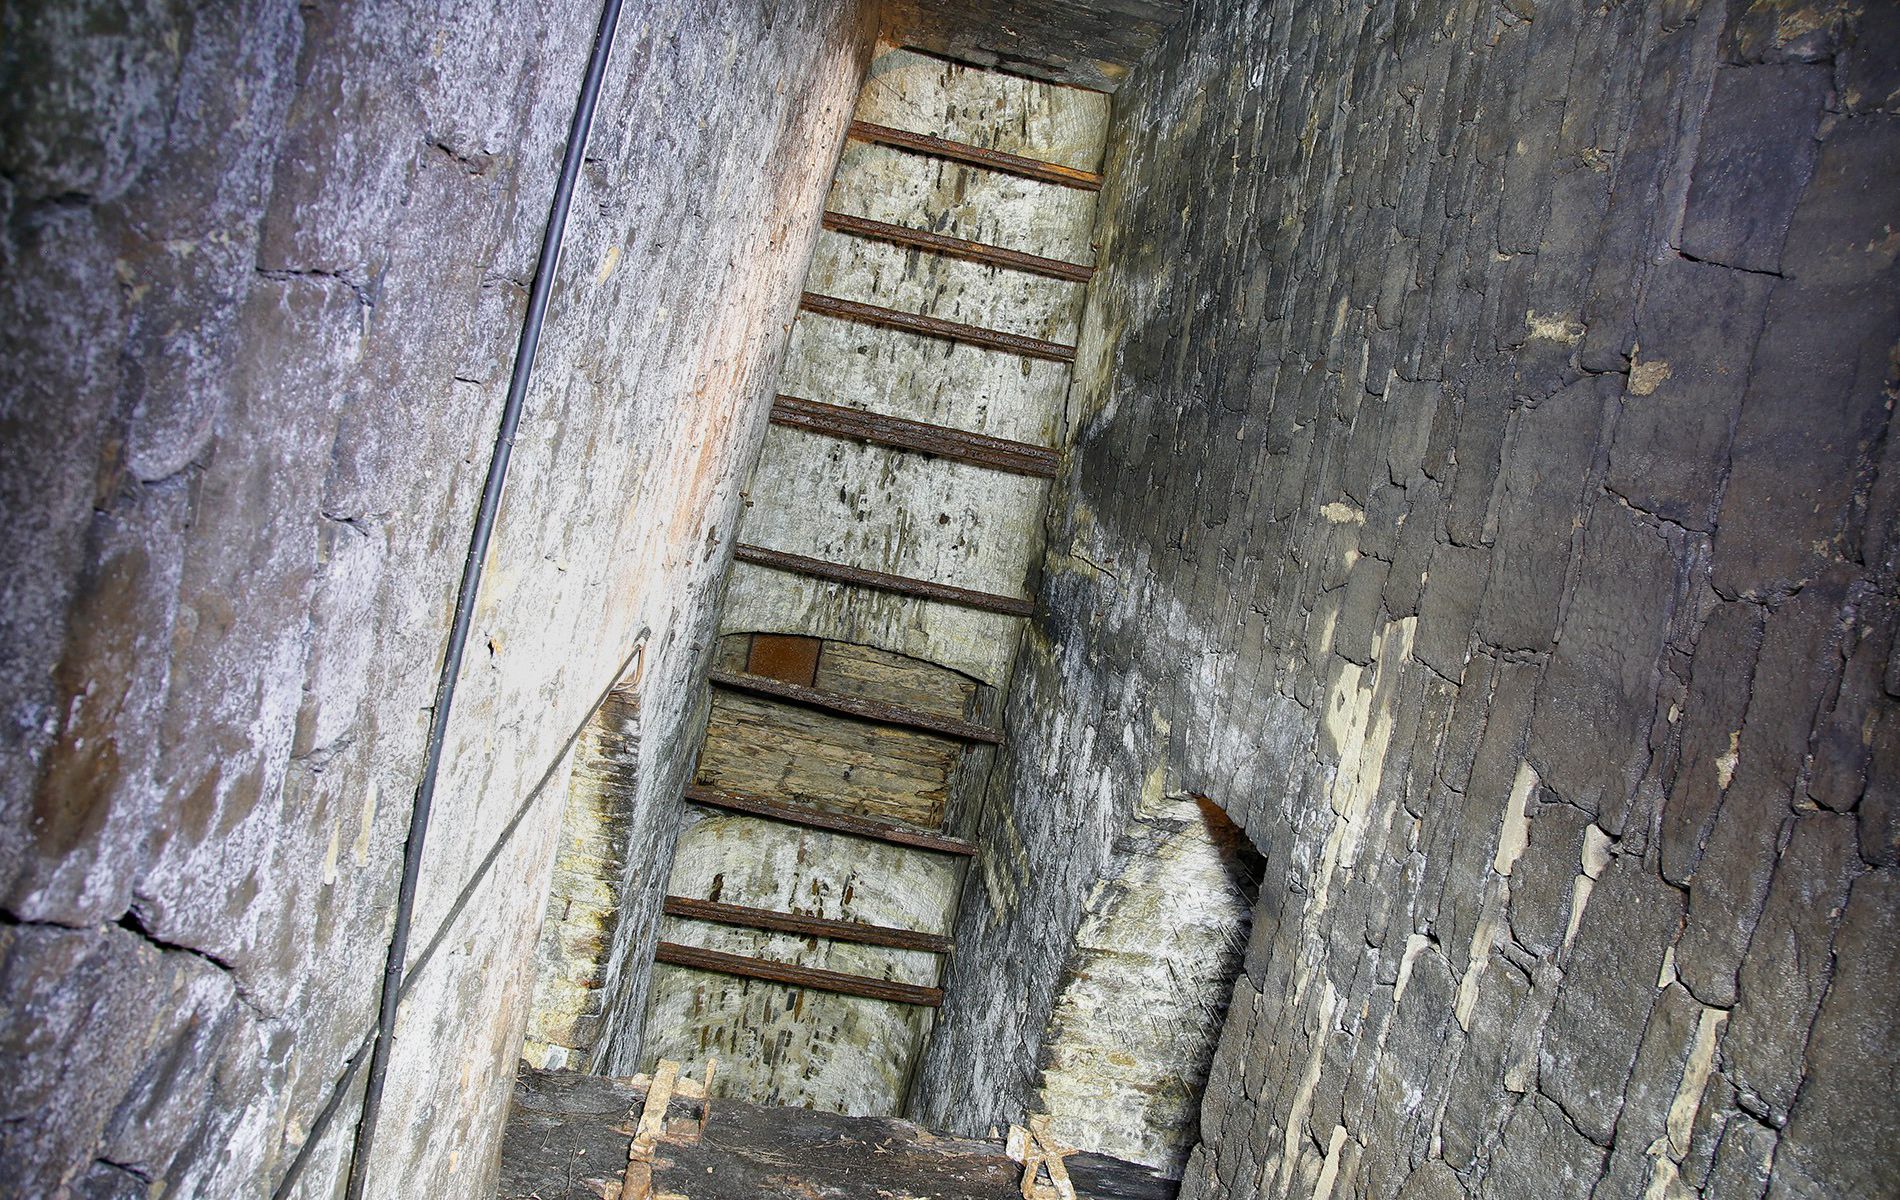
937,327
975,156
567,1137
758,745
903,585
864,710
901,433
954,247
781,922
674,954
818,818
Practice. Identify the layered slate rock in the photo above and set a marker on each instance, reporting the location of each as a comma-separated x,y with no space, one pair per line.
1483,491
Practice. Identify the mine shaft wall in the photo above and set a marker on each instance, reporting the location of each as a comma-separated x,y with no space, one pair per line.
1482,489
264,269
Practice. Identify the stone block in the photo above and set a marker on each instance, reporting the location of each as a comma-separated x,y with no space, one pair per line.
1780,31
1478,1104
1844,733
1544,877
1880,804
1359,612
1785,971
1432,1180
1595,707
1723,667
1541,1153
1609,988
1847,1116
1541,490
1448,606
1418,537
1677,1050
1816,402
1870,79
1742,1160
78,1005
1695,336
1479,445
89,91
1757,151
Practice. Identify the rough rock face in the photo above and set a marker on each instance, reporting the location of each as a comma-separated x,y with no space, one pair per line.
1091,43
1482,489
264,267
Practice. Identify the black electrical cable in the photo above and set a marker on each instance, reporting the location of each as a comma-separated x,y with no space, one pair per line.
465,597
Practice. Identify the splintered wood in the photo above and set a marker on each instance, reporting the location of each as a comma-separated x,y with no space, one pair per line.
1038,1150
665,1083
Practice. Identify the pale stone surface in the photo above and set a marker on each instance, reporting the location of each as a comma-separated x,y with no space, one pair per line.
780,1045
1045,219
992,109
265,271
1133,1029
896,512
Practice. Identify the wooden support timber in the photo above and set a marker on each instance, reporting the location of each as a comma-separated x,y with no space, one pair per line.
661,1087
937,327
863,710
951,247
901,433
975,156
674,954
1038,1150
817,818
824,927
903,585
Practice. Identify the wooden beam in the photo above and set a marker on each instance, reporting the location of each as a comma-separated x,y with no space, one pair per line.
779,922
863,710
951,331
817,818
952,247
975,156
746,967
903,585
901,433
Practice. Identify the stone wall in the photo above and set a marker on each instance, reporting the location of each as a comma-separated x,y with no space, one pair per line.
264,267
1088,43
1482,490
1143,998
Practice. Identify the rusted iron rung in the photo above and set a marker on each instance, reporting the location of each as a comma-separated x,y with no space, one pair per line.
954,247
937,327
975,156
903,585
687,908
818,818
747,967
901,433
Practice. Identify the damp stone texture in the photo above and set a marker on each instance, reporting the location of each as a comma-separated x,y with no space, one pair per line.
897,512
1482,489
1143,995
264,267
